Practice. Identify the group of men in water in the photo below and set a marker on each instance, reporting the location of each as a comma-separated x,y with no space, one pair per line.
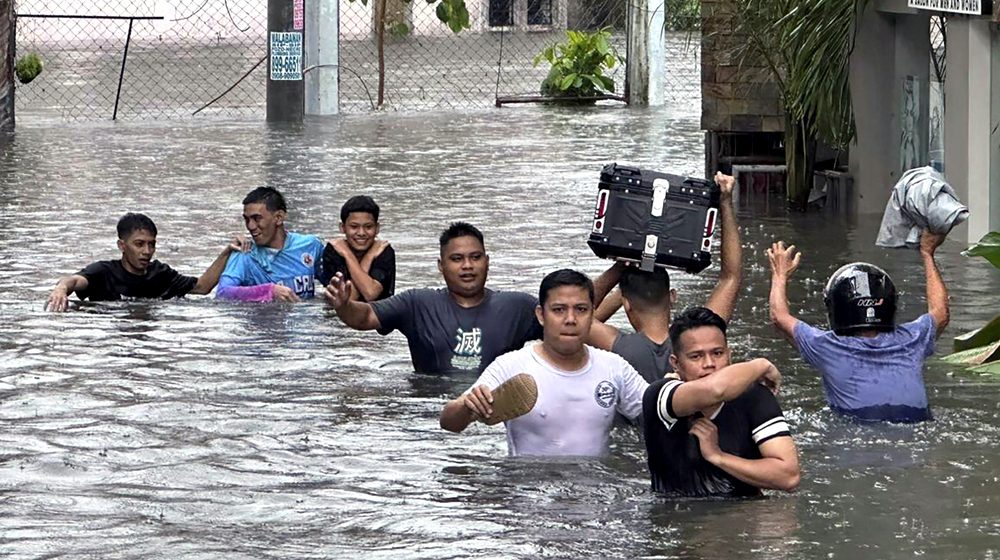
711,427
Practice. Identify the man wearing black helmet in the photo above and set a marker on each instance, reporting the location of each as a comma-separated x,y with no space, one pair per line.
871,368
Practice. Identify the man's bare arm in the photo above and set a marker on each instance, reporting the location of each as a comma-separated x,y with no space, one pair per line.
59,298
606,282
722,386
607,309
777,469
783,264
472,406
723,298
209,278
355,314
937,292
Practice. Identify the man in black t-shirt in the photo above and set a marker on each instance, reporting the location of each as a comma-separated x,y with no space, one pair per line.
136,274
648,299
369,263
461,327
715,431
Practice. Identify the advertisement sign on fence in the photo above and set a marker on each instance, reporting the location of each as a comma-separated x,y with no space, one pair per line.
298,14
286,56
971,7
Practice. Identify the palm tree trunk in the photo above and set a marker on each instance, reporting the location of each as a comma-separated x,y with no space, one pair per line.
800,161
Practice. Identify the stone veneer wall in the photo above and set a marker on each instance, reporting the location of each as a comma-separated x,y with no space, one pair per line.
733,99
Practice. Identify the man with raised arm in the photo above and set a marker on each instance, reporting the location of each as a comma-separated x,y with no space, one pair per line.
871,368
648,298
716,431
579,387
461,327
136,274
282,265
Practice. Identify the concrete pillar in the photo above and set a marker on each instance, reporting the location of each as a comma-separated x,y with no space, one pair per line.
285,91
646,53
322,57
871,162
968,151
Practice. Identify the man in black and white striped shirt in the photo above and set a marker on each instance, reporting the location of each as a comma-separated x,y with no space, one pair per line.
716,431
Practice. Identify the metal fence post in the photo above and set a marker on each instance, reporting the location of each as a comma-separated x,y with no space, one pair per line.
121,75
7,53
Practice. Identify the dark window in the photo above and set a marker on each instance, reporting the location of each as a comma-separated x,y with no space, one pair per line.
539,12
501,13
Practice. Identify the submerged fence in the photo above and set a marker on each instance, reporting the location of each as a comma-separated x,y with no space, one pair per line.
181,54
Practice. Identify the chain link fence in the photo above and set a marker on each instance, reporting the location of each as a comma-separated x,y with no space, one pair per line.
175,64
197,49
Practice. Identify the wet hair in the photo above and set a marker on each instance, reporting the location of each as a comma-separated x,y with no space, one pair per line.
132,222
646,289
461,229
267,196
693,318
564,277
360,203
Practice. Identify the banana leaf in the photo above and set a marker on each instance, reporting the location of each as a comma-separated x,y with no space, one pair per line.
988,248
979,337
975,356
992,368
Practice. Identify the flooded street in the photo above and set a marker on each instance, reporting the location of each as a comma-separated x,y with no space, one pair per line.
207,429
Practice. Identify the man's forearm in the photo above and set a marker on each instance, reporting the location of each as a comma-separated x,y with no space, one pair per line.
723,298
781,316
770,472
368,287
606,282
937,293
258,293
358,315
456,417
722,386
210,277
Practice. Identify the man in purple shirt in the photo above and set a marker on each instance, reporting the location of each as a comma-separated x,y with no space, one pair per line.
871,368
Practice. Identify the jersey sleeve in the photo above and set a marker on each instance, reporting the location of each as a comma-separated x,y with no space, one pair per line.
922,333
177,284
384,272
664,401
766,419
631,387
395,312
95,273
231,284
809,339
499,371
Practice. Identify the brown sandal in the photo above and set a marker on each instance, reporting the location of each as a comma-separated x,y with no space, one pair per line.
514,397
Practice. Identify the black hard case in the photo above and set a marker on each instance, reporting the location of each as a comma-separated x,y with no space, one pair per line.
627,229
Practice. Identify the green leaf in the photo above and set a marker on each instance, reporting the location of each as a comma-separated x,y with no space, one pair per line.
608,83
567,81
992,368
975,356
988,248
399,30
443,11
979,337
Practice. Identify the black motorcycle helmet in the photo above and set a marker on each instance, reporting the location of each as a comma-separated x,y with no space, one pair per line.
860,296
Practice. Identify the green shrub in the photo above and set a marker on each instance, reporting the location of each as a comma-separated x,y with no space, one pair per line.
578,65
28,67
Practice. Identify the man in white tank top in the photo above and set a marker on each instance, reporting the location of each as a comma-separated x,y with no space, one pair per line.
579,387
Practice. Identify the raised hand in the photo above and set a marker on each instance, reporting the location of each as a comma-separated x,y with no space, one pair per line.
338,291
783,261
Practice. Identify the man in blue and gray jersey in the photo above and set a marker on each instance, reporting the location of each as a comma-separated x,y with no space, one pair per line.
282,266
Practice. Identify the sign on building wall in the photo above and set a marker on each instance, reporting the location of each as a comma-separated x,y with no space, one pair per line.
971,7
286,56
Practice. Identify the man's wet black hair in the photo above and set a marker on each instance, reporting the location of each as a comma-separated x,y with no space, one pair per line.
646,289
132,222
360,203
564,277
461,229
693,318
267,196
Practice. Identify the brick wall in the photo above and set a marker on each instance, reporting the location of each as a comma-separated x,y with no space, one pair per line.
734,98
